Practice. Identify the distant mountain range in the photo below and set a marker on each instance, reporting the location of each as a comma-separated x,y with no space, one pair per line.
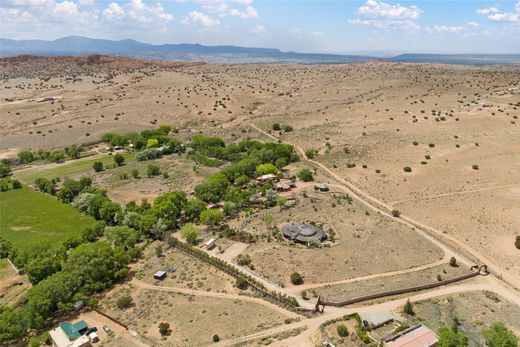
79,45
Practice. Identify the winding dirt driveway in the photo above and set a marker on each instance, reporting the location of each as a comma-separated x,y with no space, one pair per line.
442,240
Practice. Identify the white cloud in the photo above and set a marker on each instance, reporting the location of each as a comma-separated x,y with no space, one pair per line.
57,18
250,12
240,8
139,11
258,29
381,15
114,11
495,15
454,29
487,10
199,18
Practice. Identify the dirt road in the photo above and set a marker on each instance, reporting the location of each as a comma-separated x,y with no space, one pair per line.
187,291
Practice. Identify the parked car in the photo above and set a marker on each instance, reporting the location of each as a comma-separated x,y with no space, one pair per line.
91,330
106,328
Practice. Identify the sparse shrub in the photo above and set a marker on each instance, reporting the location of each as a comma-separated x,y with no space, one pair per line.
277,127
517,242
407,169
124,301
153,170
408,308
216,338
396,213
305,175
475,167
453,262
242,283
296,279
164,328
135,173
342,330
244,259
310,153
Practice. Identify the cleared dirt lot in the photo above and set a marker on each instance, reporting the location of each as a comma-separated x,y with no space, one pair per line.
366,244
193,319
190,272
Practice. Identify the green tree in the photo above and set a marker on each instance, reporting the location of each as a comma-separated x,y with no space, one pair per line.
216,338
152,143
57,156
213,189
305,175
25,157
16,184
450,338
408,308
122,236
194,208
98,166
277,127
242,283
296,278
119,159
211,217
135,173
264,169
170,205
453,262
498,335
5,169
190,233
164,328
5,248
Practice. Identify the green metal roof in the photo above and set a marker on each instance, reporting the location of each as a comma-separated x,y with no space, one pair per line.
73,330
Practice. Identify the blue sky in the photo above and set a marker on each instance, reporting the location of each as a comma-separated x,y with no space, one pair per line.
304,26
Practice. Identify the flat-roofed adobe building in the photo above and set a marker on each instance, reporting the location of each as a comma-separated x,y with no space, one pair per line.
416,336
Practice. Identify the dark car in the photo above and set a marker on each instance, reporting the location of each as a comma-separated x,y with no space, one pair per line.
90,330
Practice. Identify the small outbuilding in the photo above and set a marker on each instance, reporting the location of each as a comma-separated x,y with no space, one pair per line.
210,244
159,275
78,305
322,187
303,232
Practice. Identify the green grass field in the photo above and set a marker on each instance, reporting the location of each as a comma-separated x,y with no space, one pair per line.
71,168
28,216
